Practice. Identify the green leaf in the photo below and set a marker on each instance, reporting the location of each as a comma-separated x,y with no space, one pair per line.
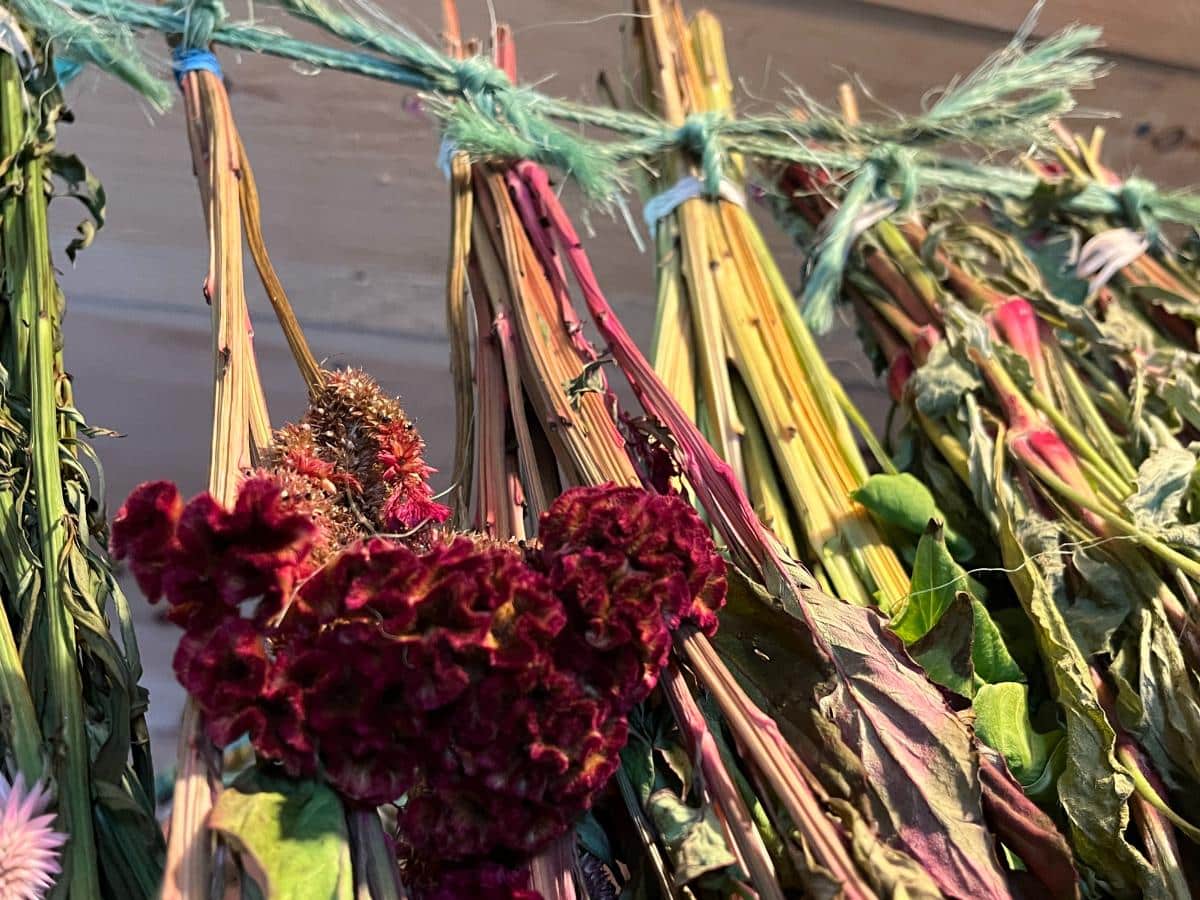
904,501
677,761
1054,259
693,836
593,838
936,579
944,651
1002,722
989,652
291,835
87,189
637,759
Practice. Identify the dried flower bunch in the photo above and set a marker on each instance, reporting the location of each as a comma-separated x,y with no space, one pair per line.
485,683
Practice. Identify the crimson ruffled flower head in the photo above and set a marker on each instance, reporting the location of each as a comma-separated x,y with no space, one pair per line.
208,560
485,683
630,566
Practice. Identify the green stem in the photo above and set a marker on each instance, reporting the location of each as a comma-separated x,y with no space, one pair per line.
33,307
910,265
1096,425
22,734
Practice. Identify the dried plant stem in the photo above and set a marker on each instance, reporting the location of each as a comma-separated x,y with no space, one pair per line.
700,269
375,871
740,827
760,739
240,423
459,331
310,370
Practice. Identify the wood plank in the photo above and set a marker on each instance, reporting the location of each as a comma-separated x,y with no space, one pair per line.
1166,31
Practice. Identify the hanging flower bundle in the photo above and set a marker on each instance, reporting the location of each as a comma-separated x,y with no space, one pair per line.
379,663
524,693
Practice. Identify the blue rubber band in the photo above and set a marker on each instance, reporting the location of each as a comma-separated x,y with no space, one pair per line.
184,61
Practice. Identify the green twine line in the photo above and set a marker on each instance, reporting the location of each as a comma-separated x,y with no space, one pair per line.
102,42
824,282
486,115
250,38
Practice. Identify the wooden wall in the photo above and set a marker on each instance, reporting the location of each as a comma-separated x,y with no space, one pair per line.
1164,31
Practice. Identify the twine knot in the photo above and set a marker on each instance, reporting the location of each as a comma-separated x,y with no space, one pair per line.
201,19
1136,195
896,165
700,135
477,77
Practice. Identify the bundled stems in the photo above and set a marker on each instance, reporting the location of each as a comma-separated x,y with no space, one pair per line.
64,678
240,427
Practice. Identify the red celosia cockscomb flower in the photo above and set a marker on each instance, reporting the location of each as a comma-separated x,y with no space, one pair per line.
631,566
487,685
208,560
486,881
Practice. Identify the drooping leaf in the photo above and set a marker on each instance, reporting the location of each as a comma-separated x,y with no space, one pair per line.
904,501
1158,701
920,756
754,635
692,835
939,385
87,189
292,836
1162,484
1027,831
1101,602
1002,722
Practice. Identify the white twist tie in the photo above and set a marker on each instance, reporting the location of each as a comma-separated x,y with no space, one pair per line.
689,187
1107,253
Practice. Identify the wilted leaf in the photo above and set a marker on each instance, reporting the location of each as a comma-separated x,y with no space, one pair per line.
904,501
919,755
1158,701
939,384
1182,394
692,835
291,835
1101,603
1093,788
87,189
754,635
944,651
1162,484
1027,831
